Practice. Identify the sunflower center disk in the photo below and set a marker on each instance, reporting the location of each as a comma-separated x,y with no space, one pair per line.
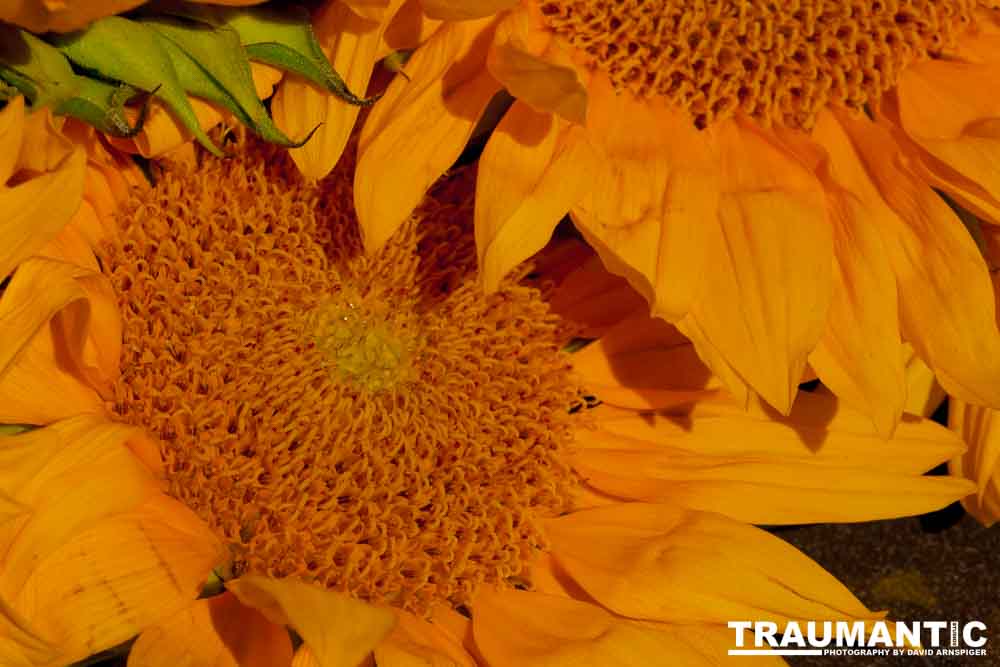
779,62
371,424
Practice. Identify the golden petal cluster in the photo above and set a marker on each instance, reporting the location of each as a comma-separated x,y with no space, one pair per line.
656,555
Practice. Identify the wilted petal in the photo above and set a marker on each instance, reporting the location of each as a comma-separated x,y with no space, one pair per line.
214,632
338,629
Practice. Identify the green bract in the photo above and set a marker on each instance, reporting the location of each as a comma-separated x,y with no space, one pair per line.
168,50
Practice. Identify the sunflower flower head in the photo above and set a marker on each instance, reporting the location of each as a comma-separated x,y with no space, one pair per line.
368,423
774,62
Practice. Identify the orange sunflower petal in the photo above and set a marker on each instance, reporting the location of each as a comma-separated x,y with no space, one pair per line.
419,128
654,187
944,107
524,628
592,297
662,563
33,213
644,363
946,300
526,59
415,642
214,632
11,136
462,10
721,459
46,314
774,247
44,15
112,580
338,629
351,37
530,174
860,354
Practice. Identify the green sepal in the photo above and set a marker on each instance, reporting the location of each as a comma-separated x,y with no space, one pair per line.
102,105
281,37
128,51
14,429
7,91
36,69
210,63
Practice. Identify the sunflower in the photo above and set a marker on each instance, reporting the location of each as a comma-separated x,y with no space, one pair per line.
768,176
364,448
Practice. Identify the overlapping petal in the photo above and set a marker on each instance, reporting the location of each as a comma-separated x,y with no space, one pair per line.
663,563
338,629
980,428
352,39
97,552
214,632
824,462
946,301
419,128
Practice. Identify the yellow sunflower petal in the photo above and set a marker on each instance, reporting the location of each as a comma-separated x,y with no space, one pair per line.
419,128
718,458
215,632
860,354
644,363
351,43
33,213
534,629
114,579
530,175
415,642
943,107
654,187
980,428
11,134
46,313
461,10
774,248
662,563
338,629
946,300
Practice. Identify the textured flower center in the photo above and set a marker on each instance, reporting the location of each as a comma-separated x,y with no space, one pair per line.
779,61
373,424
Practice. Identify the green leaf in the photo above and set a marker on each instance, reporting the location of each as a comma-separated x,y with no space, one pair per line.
35,68
210,63
102,105
128,51
282,37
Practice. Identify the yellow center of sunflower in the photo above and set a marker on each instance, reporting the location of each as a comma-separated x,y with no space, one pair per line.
778,61
370,423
